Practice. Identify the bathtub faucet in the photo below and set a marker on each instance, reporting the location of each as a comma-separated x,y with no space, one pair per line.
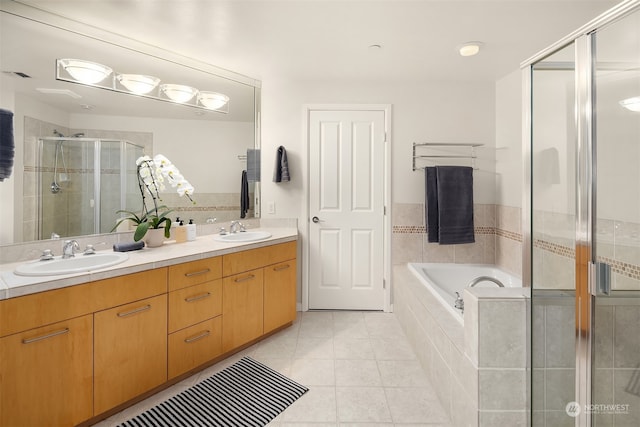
485,279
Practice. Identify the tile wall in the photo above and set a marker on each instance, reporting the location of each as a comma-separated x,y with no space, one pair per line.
478,369
498,238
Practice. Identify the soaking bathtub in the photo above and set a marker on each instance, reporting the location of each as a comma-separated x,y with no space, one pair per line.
445,279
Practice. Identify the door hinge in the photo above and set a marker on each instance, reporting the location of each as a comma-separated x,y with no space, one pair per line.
384,283
384,210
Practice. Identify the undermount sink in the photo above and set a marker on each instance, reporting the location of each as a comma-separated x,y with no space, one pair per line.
242,236
77,264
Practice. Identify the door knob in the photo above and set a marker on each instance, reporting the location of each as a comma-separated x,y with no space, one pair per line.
315,219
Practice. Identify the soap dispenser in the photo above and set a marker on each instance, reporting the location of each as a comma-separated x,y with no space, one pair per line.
191,231
180,233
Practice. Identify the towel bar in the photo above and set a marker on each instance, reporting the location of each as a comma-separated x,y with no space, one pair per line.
472,156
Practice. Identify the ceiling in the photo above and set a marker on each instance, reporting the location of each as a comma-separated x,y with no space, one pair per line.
330,39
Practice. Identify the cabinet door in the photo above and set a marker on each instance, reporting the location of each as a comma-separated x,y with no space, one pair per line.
279,295
130,346
46,375
194,304
242,309
194,346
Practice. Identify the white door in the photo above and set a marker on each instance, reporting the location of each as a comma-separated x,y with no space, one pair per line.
346,208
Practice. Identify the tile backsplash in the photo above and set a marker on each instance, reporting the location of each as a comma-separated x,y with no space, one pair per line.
498,238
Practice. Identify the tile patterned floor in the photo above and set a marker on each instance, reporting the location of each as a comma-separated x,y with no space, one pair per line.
359,367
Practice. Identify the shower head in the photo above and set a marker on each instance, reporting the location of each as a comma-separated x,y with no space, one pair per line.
56,133
78,135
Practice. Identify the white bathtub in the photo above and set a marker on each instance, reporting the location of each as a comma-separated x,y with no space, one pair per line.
444,280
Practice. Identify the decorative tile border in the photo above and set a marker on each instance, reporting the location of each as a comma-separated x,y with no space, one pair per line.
486,231
509,235
623,268
554,248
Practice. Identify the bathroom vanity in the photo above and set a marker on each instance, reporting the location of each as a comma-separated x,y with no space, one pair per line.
86,348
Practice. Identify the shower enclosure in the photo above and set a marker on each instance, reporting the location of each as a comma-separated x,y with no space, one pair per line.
582,245
82,183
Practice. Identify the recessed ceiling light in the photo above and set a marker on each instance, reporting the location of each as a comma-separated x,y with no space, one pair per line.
469,48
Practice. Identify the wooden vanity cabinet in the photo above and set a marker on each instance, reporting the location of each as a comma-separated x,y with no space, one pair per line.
242,309
259,292
46,375
195,309
70,354
130,351
279,294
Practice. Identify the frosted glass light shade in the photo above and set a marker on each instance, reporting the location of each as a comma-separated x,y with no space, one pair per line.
212,100
632,104
138,83
85,71
469,49
178,93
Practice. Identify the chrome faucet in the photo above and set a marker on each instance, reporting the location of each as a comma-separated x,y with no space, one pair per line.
236,226
483,279
69,249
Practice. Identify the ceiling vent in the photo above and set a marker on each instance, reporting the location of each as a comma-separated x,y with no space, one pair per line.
19,74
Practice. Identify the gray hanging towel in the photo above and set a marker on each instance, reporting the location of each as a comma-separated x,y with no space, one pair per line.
431,202
7,148
455,204
244,195
281,171
253,165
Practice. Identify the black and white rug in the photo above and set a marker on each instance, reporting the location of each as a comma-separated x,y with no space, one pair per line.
246,393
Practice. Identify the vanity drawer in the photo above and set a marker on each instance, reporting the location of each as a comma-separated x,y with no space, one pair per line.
35,310
194,304
257,258
193,346
194,272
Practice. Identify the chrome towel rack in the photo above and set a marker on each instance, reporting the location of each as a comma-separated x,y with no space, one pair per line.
419,154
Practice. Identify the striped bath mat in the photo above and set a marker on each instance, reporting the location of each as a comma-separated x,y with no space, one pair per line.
246,393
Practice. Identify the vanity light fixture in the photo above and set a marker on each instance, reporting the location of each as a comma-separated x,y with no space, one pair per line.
86,72
178,93
138,83
631,104
96,75
469,48
212,100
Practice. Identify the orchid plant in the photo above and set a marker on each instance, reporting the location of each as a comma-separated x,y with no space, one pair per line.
152,173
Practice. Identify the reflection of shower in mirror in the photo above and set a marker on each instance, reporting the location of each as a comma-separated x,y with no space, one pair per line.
82,182
62,177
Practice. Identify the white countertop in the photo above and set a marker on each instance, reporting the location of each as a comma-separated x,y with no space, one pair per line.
12,285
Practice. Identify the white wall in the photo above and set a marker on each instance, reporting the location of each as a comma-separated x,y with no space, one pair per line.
509,140
435,112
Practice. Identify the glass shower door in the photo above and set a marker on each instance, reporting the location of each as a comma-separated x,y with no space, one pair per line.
616,343
553,242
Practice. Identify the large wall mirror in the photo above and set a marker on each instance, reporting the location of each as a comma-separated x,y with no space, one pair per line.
76,145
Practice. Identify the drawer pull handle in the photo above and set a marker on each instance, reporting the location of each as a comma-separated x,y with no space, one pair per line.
135,311
198,297
197,273
197,337
44,337
281,267
244,279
